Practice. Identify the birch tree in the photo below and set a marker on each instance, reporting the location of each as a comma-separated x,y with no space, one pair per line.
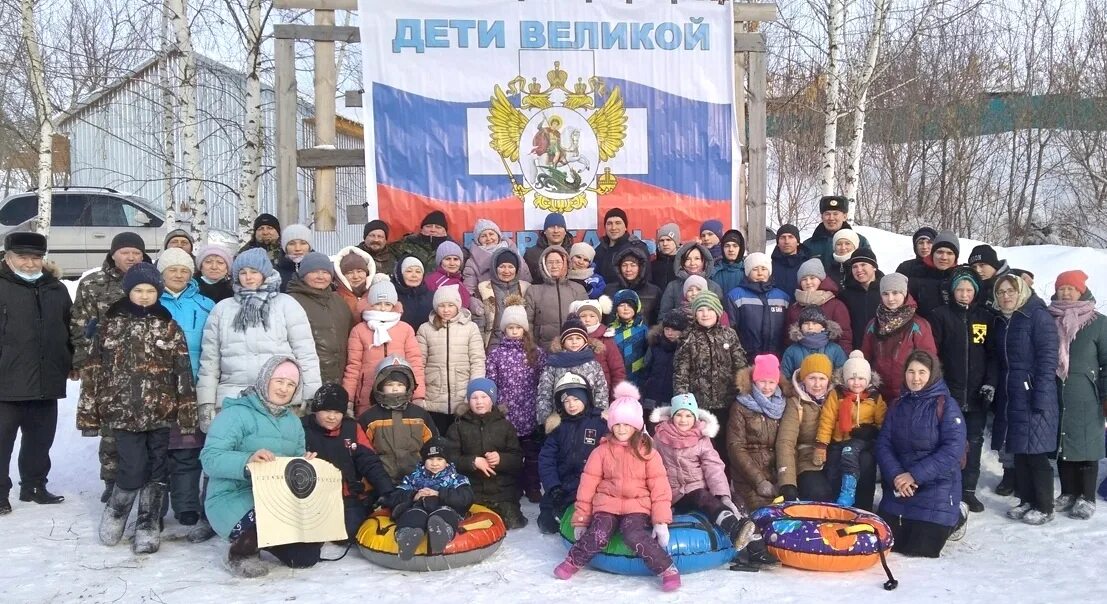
186,96
252,148
836,18
168,114
37,70
864,82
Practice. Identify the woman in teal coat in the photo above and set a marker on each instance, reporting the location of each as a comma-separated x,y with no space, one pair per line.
258,426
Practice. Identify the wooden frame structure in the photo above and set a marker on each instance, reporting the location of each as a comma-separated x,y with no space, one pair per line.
749,83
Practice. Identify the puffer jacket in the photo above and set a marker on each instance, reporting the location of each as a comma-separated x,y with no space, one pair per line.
548,304
230,360
570,439
649,294
190,309
453,354
796,437
1082,392
1024,367
440,278
757,313
137,376
607,249
95,293
479,266
356,302
960,334
691,461
490,297
673,296
889,353
517,381
751,442
617,482
362,359
582,363
871,410
729,275
35,349
705,364
833,308
533,255
797,352
470,437
243,427
398,435
658,385
331,322
661,270
609,357
915,438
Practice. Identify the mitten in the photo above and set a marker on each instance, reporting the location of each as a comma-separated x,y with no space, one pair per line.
987,393
577,532
789,492
661,533
205,414
729,504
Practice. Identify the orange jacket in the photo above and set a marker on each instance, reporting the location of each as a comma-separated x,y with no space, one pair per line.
616,481
870,410
362,359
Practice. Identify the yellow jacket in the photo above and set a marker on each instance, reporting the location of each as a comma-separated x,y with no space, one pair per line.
870,410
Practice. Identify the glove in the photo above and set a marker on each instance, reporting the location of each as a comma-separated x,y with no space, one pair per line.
204,416
789,492
661,533
729,503
765,488
987,393
819,456
92,432
577,532
557,494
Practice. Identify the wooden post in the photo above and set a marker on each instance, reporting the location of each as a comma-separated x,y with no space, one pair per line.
738,211
288,206
756,203
326,83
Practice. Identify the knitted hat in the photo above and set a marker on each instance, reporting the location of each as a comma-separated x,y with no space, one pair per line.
675,319
26,243
670,230
893,282
294,232
963,274
447,294
174,256
433,448
315,261
572,327
484,224
788,229
575,385
947,240
437,217
766,367
505,255
811,268
514,313
758,259
625,407
177,233
409,262
601,306
734,236
713,225
268,220
213,250
857,366
127,240
482,384
375,225
833,202
584,250
985,254
812,314
627,296
849,234
616,213
382,290
353,261
708,299
554,219
816,363
330,397
865,255
1076,278
693,281
447,249
923,233
143,273
684,402
255,258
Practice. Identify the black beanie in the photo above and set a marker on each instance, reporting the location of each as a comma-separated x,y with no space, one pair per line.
616,213
143,273
985,254
330,397
833,202
375,225
676,319
433,448
788,229
436,217
127,239
862,255
735,236
927,232
267,220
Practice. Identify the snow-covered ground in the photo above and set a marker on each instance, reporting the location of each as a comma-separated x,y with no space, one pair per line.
51,553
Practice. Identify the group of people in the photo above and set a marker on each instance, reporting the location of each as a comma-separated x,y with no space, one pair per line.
607,382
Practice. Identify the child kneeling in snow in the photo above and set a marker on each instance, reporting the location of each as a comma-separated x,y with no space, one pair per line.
624,488
430,502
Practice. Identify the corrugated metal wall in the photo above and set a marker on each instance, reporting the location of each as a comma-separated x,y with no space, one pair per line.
115,142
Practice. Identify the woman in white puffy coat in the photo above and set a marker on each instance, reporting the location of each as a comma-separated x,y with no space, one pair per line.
245,330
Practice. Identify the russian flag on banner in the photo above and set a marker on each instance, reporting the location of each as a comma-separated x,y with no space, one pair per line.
510,110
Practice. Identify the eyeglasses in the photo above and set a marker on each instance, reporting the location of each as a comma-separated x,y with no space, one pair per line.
1005,292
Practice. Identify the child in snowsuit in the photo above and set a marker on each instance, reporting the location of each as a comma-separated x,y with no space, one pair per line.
572,433
583,271
812,333
848,425
657,386
395,427
430,502
572,353
630,331
338,439
624,488
453,352
487,451
138,381
514,364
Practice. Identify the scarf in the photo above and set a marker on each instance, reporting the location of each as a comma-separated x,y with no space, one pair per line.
580,274
815,341
379,323
1071,317
567,359
890,321
771,406
254,303
813,298
845,411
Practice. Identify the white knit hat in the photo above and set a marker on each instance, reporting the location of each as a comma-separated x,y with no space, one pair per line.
174,256
602,306
296,231
857,366
382,290
849,234
448,293
514,314
584,250
758,259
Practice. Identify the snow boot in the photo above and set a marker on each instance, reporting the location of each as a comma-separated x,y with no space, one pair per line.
189,518
969,497
565,570
848,494
1006,486
512,516
148,527
740,530
1083,509
201,532
242,557
408,540
109,486
756,553
116,512
962,524
547,522
5,506
40,495
441,530
534,495
1064,502
670,579
1036,517
1020,510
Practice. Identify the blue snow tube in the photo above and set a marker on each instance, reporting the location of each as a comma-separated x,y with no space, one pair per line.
694,544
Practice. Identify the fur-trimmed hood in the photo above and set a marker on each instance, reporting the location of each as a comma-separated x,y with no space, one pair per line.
708,260
743,381
346,251
833,331
554,419
706,420
656,337
596,345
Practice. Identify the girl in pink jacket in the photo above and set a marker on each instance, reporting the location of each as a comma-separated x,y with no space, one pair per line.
624,488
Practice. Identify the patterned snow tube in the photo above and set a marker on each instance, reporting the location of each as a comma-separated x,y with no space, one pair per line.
823,536
694,544
479,536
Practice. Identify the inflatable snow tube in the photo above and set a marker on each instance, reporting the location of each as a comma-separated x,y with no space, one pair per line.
694,544
823,536
479,536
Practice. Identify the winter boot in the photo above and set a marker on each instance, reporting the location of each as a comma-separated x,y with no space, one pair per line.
1020,510
756,554
242,558
116,512
534,495
547,522
512,516
201,532
408,540
1082,509
440,532
670,579
148,527
189,518
5,506
969,497
40,495
848,493
565,570
109,486
1036,517
1064,502
962,523
1006,486
740,530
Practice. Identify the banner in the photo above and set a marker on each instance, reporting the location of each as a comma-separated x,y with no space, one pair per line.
509,110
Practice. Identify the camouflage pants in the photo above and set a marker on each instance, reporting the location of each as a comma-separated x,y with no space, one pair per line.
109,456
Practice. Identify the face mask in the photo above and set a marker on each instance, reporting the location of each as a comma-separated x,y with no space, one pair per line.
28,277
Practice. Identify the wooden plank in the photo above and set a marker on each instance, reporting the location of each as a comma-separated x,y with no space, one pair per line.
288,208
756,11
354,98
317,4
738,209
330,158
756,200
337,33
749,42
326,85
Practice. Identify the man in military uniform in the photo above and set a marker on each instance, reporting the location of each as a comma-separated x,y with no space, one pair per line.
834,209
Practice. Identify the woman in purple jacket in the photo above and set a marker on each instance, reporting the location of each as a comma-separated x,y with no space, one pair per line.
919,451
